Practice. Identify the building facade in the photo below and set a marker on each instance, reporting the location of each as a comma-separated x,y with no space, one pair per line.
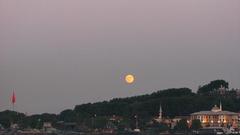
217,117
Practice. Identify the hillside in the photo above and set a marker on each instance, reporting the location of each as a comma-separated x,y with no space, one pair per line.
174,102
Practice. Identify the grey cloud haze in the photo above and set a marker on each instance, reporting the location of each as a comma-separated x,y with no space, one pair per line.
59,53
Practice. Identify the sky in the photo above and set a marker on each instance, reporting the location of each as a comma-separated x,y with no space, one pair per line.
56,54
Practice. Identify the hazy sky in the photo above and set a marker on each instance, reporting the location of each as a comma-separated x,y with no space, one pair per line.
60,53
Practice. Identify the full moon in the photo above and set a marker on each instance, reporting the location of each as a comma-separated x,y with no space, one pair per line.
129,78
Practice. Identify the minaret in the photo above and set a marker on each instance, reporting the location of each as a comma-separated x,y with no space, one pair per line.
160,113
220,106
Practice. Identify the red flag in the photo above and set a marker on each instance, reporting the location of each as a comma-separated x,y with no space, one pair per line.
13,98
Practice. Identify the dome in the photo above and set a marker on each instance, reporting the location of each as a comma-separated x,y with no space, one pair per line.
216,109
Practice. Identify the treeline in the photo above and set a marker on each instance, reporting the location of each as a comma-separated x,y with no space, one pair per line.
174,102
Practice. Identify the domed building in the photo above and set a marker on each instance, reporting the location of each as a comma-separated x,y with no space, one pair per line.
217,117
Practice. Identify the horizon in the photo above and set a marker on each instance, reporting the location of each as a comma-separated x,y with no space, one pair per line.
27,114
57,113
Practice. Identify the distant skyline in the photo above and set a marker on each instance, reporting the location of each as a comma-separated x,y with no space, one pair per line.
57,54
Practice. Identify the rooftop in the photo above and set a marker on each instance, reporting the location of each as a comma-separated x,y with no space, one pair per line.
214,113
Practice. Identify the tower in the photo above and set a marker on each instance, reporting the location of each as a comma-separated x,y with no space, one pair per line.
160,113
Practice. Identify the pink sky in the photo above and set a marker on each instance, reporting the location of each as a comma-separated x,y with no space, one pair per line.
60,53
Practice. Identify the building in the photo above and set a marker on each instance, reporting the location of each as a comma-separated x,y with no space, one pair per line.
217,117
48,128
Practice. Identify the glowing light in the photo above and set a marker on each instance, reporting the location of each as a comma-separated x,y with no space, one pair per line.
129,78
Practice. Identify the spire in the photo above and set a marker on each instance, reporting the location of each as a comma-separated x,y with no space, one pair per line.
160,112
220,105
160,109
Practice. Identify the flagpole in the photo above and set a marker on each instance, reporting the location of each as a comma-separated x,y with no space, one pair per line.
13,107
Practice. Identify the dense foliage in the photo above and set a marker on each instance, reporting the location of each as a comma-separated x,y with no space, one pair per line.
182,125
212,86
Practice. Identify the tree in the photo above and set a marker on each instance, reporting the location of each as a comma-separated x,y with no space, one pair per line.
182,125
212,86
67,116
7,117
99,122
196,124
124,123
